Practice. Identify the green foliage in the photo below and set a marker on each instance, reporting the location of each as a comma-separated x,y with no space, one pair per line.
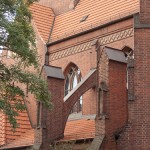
16,35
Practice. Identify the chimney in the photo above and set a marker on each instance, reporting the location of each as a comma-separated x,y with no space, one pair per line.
145,11
73,4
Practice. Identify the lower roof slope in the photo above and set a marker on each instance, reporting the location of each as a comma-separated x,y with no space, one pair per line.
25,140
78,127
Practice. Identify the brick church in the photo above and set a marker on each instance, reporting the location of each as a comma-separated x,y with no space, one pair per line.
95,56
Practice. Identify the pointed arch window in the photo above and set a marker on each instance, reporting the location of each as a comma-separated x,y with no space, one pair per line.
73,77
129,54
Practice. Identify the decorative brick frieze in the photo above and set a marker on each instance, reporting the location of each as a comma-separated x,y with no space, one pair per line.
86,46
116,36
70,51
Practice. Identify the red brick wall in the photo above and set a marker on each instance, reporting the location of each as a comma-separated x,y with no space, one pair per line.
31,101
138,130
51,120
58,6
82,60
136,136
116,107
144,11
2,129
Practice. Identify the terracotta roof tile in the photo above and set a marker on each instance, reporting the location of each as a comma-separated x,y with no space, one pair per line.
26,139
99,11
43,18
23,135
74,130
79,129
19,137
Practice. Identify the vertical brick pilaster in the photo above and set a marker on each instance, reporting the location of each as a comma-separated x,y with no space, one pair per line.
137,135
53,118
140,109
144,11
93,54
114,118
51,121
130,76
116,105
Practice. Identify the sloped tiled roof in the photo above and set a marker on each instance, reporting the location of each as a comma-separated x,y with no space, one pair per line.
23,135
79,129
43,18
26,139
74,130
100,12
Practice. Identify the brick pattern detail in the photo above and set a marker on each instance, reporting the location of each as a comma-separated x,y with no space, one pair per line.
117,104
130,70
145,11
86,46
58,6
116,36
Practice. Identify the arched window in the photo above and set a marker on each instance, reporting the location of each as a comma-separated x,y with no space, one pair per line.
129,54
73,77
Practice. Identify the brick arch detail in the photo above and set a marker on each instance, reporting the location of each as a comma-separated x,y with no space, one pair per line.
69,103
69,65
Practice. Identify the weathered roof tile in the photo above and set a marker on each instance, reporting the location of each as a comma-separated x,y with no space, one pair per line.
79,129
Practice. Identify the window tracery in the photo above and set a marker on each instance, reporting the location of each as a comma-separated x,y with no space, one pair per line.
73,77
